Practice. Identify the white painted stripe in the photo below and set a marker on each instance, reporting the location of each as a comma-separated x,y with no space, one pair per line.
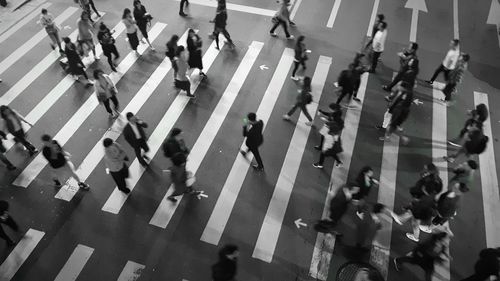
24,21
456,32
271,227
414,25
20,253
227,198
372,18
131,272
333,15
97,153
165,211
235,7
75,263
36,166
295,9
323,248
23,49
489,181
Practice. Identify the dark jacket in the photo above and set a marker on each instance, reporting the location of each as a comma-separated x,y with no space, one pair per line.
56,161
139,15
488,262
224,270
338,205
447,206
427,184
364,187
254,134
345,80
220,20
171,50
72,55
172,146
129,134
424,209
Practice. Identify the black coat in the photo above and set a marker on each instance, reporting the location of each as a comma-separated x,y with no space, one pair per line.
224,270
254,134
338,205
172,146
2,147
129,134
194,49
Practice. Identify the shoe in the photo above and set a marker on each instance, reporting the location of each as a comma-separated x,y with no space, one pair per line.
396,264
172,199
273,34
425,228
383,138
411,237
144,164
11,167
126,190
152,48
1,80
430,82
83,186
318,166
360,215
454,143
113,69
243,153
187,3
33,152
290,37
286,117
379,127
291,23
182,14
356,99
396,219
257,167
317,147
53,46
191,96
295,78
385,88
309,123
11,243
339,164
387,98
146,157
57,184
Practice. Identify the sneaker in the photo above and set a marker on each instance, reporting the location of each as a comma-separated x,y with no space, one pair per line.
430,82
356,99
182,14
83,186
396,264
57,184
339,164
257,167
317,147
396,218
243,153
385,88
33,152
290,37
411,237
425,228
387,98
291,23
152,48
273,34
191,96
360,215
454,143
318,166
126,190
172,199
286,117
295,78
309,123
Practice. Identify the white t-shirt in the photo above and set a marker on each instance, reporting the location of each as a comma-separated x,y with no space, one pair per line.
450,61
379,41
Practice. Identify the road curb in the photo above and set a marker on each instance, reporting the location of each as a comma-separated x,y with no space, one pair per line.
15,11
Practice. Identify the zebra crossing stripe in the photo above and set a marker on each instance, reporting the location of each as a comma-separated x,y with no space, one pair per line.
271,227
227,198
24,21
166,209
236,7
20,253
75,263
23,49
97,153
324,245
37,165
131,272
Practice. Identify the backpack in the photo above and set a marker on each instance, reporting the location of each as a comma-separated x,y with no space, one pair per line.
308,98
481,145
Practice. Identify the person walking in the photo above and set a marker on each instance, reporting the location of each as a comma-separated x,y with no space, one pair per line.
332,146
226,267
182,180
408,69
105,37
487,266
378,45
85,33
303,99
143,18
6,218
59,161
282,17
455,77
174,144
365,182
300,57
252,131
429,184
86,5
464,174
380,18
182,81
181,7
106,91
3,158
131,26
420,212
449,63
194,43
134,134
333,121
475,143
475,122
346,84
12,123
367,226
75,64
47,21
172,51
116,162
399,110
426,254
448,203
220,24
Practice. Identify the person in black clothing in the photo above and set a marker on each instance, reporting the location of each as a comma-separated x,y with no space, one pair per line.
421,213
448,203
429,183
303,99
171,51
487,266
300,57
175,144
368,226
346,83
12,123
4,159
333,121
181,8
400,109
225,269
142,18
426,254
475,143
6,218
408,69
475,122
252,130
193,43
357,70
75,64
59,161
220,23
108,44
134,134
332,146
364,181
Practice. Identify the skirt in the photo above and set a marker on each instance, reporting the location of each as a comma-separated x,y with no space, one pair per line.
133,40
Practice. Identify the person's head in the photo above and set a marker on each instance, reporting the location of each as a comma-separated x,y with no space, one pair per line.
126,13
137,4
175,132
455,43
431,169
380,17
180,51
84,15
102,26
460,187
382,25
480,112
107,142
307,82
191,32
465,57
300,38
378,208
472,164
131,117
5,111
44,11
229,251
46,139
286,2
252,117
66,40
174,38
98,73
367,171
179,159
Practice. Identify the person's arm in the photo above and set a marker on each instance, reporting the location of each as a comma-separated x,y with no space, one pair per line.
142,123
22,118
3,135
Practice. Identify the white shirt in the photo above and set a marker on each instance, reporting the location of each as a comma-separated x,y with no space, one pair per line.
379,41
450,61
136,131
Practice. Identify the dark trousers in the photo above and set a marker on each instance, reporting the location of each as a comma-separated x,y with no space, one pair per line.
256,155
91,3
477,277
181,6
108,51
284,24
13,225
107,105
375,57
224,32
440,69
5,160
120,177
297,64
448,90
396,80
344,93
303,108
426,265
20,136
142,144
322,157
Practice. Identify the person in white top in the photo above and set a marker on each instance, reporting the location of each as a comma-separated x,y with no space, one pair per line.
449,62
47,21
378,44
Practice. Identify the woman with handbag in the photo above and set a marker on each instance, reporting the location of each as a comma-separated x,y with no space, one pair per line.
85,33
131,26
399,110
116,162
108,44
303,99
282,17
181,179
12,122
47,21
142,18
74,62
106,91
181,79
194,48
300,57
172,52
332,146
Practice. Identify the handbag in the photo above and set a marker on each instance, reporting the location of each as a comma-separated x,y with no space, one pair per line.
387,119
191,179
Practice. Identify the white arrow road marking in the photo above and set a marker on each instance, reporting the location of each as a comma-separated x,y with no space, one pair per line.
456,33
262,67
418,102
299,223
202,194
416,6
494,17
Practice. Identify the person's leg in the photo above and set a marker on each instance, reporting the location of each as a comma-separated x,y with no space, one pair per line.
6,161
144,146
21,137
11,223
114,50
181,7
91,2
106,105
70,167
306,113
337,159
321,158
228,37
436,73
256,155
295,67
114,99
5,237
415,224
446,73
394,81
291,111
119,180
273,28
343,93
138,154
285,27
216,37
376,56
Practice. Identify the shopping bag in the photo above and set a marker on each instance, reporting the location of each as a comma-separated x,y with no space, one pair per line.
387,119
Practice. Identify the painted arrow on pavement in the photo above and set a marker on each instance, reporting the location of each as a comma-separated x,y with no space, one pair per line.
418,102
494,17
299,223
262,67
416,6
201,194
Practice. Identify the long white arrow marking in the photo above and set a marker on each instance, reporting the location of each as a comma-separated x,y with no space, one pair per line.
372,18
494,17
299,223
333,14
416,6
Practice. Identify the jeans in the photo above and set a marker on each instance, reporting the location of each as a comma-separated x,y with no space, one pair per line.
376,56
303,108
297,64
115,102
344,93
322,157
224,32
108,51
283,23
440,69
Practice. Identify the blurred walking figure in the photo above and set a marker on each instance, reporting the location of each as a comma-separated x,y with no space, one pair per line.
86,5
332,146
143,18
135,136
116,162
429,184
365,182
108,44
3,158
346,84
47,21
455,77
172,51
448,203
220,23
282,17
6,218
86,34
194,43
333,121
449,63
303,99
475,142
475,122
368,226
182,180
487,266
181,7
420,212
463,174
408,69
226,267
426,254
378,44
131,26
174,144
59,161
182,81
75,64
300,57
399,110
106,91
252,131
12,123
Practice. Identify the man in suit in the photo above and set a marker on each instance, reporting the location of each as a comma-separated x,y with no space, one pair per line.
135,136
252,130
